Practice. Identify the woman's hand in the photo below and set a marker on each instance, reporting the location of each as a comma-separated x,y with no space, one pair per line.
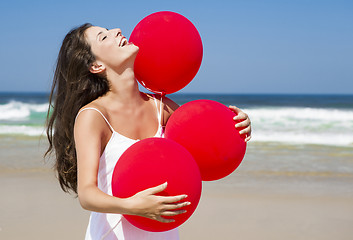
147,204
243,122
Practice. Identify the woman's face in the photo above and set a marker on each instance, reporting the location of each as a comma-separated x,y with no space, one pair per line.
110,47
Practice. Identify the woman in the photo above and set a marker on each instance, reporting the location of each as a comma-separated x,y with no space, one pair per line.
98,113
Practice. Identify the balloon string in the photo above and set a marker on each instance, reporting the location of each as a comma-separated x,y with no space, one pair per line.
160,111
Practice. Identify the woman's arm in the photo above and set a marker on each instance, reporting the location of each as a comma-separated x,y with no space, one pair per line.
90,130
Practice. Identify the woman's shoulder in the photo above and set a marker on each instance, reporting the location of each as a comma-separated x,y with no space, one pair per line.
96,105
91,114
90,125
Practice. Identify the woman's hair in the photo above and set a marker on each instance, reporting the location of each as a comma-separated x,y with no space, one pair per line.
73,87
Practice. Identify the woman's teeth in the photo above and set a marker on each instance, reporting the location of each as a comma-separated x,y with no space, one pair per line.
123,42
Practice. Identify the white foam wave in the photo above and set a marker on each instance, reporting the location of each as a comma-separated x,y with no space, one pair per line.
15,110
302,113
295,125
302,125
21,130
310,138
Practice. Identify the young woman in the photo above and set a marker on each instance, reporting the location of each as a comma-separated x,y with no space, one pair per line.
98,113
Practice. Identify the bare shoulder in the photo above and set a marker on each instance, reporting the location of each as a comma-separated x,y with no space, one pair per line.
90,118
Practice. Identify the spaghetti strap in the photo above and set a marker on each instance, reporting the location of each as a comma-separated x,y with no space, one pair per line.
91,108
159,113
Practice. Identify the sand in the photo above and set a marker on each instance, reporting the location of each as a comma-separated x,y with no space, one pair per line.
245,205
33,207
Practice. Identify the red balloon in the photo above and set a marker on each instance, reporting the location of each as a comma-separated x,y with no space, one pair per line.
170,52
206,129
151,162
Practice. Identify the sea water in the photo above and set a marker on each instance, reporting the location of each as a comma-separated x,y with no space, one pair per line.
289,119
293,137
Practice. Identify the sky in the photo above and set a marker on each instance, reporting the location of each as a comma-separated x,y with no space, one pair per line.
250,46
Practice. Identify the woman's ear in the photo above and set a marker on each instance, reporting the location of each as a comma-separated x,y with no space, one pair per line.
97,68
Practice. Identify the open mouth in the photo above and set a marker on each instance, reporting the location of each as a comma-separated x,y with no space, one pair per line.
123,42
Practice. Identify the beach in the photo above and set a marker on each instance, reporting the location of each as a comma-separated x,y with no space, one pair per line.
278,192
295,181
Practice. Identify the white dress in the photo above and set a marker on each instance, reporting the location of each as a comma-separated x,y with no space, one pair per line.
114,226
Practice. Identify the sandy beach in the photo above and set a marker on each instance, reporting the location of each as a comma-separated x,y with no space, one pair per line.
251,203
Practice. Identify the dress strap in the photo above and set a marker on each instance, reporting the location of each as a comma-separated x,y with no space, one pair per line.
159,113
91,108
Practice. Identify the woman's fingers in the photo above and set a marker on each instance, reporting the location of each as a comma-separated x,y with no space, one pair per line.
158,189
240,114
173,199
246,130
153,206
176,205
235,109
168,214
173,213
165,200
163,220
244,123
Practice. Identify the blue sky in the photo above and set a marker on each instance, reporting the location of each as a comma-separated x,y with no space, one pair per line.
249,46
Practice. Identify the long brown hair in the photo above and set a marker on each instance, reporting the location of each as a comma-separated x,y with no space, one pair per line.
73,87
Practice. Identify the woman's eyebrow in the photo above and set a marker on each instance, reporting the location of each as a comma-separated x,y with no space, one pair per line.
100,33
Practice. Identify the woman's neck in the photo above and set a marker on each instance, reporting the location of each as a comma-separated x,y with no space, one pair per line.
124,89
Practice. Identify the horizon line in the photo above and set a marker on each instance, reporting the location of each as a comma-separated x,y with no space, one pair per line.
195,93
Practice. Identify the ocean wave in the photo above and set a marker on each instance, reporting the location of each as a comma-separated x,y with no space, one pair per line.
303,138
15,110
302,125
282,113
22,130
290,125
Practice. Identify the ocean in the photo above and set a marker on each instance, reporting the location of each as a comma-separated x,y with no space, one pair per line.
298,141
325,120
